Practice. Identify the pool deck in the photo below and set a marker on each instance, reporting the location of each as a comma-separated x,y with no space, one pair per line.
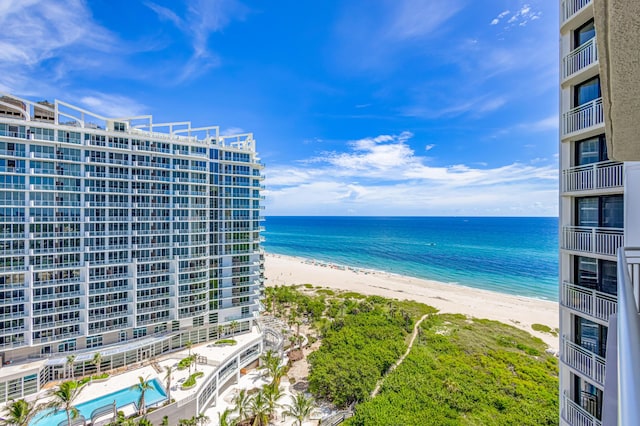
215,355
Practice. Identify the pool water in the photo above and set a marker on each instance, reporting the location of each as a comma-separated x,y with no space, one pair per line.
122,397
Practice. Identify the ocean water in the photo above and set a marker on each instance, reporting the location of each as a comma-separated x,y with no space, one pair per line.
510,255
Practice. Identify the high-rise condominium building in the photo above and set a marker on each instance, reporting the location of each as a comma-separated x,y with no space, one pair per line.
122,236
599,210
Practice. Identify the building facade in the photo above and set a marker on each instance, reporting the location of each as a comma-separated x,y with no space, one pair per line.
116,231
592,220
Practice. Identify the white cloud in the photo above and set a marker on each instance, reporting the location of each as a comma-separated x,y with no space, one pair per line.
417,18
501,15
232,131
429,147
202,18
112,106
521,17
61,33
475,107
383,175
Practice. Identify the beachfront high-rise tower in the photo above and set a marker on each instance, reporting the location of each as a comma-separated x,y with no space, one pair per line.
599,210
121,236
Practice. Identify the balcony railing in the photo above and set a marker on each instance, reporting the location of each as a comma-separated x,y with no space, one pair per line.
591,302
575,415
622,392
580,58
584,361
571,7
583,117
603,175
605,241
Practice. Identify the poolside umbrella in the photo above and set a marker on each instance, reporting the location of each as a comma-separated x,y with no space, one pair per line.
115,411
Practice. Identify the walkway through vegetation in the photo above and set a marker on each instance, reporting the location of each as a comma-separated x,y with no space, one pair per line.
404,355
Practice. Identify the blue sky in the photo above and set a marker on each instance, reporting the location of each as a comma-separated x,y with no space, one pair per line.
359,107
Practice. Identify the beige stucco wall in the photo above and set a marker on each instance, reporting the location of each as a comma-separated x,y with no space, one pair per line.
618,36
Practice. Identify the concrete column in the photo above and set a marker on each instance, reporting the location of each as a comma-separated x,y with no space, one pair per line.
631,204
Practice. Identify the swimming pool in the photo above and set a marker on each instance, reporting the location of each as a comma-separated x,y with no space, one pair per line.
122,397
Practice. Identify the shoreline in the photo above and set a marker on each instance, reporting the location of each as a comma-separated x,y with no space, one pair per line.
519,311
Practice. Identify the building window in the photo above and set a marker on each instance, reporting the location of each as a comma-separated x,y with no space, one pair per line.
591,336
588,396
198,321
139,332
605,212
94,342
123,336
596,274
587,91
592,150
584,34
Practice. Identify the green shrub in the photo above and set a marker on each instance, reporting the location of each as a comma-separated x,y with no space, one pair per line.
191,380
226,342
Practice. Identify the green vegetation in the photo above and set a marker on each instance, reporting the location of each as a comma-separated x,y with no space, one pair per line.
468,372
545,329
186,362
459,370
364,337
191,380
226,342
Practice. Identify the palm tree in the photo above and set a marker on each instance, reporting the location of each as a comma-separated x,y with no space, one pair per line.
195,362
97,360
259,409
270,361
189,344
143,385
272,394
300,408
168,376
202,419
64,397
276,375
234,325
70,360
242,401
224,420
19,413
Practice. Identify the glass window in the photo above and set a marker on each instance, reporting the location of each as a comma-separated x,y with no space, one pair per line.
587,91
612,215
588,211
608,277
584,34
591,150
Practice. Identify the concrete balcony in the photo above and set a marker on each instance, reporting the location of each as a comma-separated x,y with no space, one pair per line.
589,116
575,415
603,241
593,303
571,8
596,176
580,59
583,361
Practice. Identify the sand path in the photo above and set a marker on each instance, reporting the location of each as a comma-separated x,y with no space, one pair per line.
404,355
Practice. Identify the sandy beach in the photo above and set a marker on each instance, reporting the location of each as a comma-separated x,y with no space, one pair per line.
521,312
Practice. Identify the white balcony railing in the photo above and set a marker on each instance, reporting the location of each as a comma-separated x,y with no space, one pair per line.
605,241
575,415
584,361
622,391
583,117
571,7
591,302
603,175
580,58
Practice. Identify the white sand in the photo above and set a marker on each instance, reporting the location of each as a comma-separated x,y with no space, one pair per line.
521,312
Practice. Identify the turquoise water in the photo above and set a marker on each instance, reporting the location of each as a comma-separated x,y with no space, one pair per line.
505,254
122,397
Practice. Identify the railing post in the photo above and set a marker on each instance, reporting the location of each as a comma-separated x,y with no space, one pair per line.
593,241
